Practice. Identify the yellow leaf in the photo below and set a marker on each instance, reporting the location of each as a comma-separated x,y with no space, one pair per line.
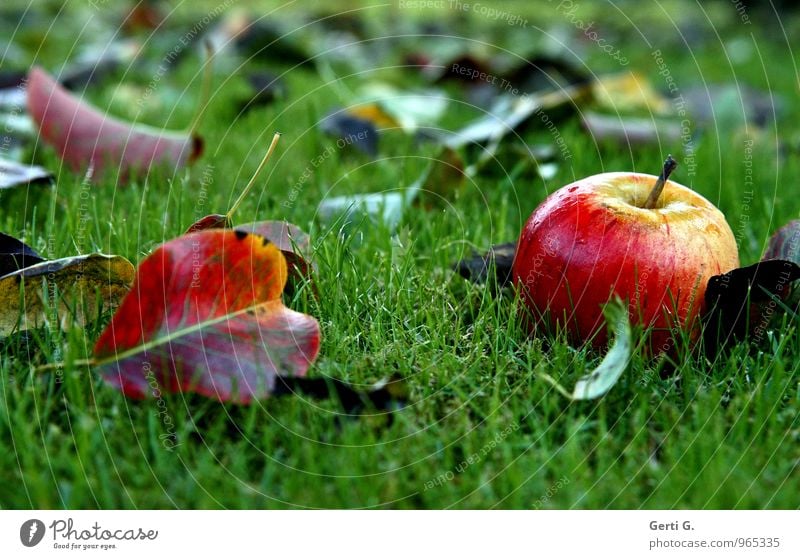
629,92
60,292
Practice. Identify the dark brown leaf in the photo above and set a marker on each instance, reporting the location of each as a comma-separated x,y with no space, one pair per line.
477,267
742,301
385,395
353,131
213,221
265,87
445,176
15,255
546,72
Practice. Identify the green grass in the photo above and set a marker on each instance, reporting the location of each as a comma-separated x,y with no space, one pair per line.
721,434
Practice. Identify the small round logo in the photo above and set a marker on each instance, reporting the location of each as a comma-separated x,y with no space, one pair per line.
31,532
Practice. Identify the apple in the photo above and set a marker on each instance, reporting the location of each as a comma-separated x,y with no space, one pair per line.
648,240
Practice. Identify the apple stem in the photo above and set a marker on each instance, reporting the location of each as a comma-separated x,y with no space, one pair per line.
250,184
669,166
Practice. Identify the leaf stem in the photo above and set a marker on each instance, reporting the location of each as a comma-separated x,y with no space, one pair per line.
652,199
555,384
250,184
60,365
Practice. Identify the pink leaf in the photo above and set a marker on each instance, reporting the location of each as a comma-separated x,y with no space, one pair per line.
84,137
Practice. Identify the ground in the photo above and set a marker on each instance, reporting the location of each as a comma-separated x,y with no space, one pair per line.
481,429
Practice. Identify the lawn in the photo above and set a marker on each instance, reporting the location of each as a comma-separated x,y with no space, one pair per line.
480,428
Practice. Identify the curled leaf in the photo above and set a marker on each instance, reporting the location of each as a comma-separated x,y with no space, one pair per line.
508,113
63,291
443,176
386,207
610,369
17,174
84,137
608,372
389,107
205,315
630,131
374,113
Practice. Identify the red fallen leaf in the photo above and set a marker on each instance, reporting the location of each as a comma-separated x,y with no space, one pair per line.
205,315
290,239
785,243
84,137
144,16
213,221
293,242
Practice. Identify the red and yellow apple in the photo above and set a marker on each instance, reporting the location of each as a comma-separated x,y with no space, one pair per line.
650,241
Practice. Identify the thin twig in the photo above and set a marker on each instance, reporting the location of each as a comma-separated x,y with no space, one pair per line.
250,184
